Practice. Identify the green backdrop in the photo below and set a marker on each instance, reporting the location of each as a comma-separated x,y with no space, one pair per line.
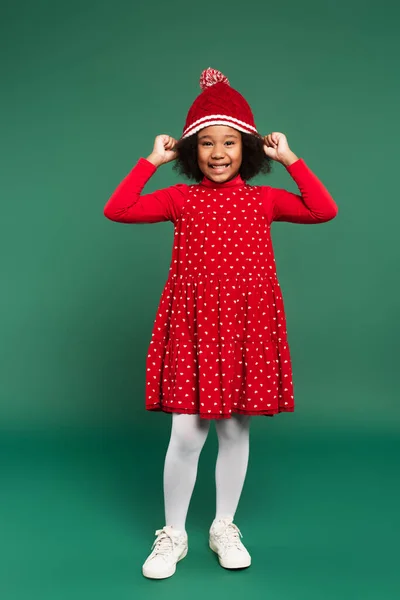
86,87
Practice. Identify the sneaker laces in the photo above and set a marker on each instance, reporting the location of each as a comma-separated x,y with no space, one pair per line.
230,535
163,544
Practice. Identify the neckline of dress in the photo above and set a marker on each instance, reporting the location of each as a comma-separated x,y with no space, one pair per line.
237,181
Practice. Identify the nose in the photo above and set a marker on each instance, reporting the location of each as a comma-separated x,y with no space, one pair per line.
217,153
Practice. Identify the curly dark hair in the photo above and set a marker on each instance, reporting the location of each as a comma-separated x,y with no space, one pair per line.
254,159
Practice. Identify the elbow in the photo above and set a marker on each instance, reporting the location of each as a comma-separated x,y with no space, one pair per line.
333,212
329,214
109,214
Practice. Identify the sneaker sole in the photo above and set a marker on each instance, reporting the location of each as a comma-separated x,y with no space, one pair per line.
166,574
227,565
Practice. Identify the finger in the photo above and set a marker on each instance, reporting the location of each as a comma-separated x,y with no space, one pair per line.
270,152
269,145
172,142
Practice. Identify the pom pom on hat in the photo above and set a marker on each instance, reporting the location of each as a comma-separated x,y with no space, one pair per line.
218,104
210,77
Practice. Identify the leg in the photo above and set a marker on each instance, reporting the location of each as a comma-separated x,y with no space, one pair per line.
232,460
188,436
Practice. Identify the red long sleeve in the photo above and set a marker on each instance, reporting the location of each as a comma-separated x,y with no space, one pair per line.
126,205
314,204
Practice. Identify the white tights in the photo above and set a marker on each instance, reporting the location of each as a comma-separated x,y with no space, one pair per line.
188,435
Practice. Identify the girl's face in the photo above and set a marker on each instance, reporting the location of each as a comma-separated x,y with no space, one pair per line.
219,152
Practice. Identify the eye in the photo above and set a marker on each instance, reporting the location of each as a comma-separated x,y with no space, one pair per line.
228,142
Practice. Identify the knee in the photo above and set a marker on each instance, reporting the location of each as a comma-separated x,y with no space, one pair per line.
233,431
187,444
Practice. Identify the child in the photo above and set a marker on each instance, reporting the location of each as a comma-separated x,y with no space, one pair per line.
219,348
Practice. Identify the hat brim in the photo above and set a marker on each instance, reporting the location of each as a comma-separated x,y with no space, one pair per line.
219,120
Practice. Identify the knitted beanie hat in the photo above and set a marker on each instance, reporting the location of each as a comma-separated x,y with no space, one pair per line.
218,104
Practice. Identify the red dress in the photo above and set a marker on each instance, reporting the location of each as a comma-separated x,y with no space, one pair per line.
219,342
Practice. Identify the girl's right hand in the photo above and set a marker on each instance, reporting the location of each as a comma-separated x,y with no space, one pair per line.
164,150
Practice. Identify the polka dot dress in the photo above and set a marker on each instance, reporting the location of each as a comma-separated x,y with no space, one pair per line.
219,343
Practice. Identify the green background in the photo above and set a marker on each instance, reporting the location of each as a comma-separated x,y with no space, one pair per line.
86,87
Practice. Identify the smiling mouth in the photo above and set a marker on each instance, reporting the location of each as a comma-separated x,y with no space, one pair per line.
219,167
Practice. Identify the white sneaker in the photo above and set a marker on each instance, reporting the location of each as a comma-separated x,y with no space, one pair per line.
169,547
225,541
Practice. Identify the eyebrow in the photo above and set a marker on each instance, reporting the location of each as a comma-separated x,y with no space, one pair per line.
209,136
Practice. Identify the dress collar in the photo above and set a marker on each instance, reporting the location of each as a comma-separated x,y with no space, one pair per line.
235,182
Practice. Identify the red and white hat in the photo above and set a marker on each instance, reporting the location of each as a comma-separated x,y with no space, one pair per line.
218,104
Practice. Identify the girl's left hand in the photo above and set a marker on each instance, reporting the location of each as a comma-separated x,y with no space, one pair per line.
276,146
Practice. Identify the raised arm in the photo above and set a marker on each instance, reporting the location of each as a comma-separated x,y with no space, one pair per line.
314,204
127,205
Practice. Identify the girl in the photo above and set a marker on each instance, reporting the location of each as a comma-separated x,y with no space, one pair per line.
219,348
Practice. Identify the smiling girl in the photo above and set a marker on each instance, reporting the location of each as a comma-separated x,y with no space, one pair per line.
219,349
